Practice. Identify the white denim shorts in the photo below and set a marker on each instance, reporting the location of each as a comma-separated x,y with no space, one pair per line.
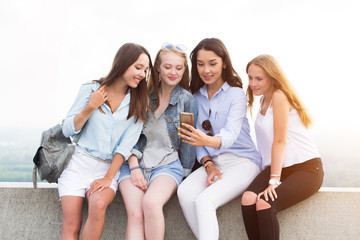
81,171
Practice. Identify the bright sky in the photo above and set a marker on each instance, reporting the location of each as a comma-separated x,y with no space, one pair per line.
48,48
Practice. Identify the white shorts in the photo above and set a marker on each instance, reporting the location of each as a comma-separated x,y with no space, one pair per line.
81,171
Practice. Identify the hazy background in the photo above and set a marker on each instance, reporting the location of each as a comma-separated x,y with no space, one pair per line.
48,48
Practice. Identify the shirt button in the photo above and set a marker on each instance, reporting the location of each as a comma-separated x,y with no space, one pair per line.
173,136
169,120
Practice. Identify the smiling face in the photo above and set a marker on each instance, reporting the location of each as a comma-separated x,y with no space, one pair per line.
259,82
209,67
137,71
171,68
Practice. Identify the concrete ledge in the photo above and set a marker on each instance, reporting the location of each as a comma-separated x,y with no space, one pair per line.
27,213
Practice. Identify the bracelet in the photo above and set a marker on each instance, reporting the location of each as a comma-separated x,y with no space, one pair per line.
209,160
133,168
274,175
274,181
209,165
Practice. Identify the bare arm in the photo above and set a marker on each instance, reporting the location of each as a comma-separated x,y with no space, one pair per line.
281,108
105,182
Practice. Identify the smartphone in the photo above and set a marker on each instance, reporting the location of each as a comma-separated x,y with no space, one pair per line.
186,117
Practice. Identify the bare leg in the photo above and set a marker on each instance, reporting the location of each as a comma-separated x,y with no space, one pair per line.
133,199
158,193
72,217
98,203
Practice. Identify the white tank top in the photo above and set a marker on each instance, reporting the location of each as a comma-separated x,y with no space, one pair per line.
299,147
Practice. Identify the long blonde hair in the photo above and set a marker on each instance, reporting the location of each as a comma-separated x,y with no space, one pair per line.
273,70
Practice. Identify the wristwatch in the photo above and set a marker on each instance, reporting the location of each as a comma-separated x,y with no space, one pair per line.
274,181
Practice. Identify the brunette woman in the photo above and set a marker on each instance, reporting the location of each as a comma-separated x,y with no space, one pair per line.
224,145
111,112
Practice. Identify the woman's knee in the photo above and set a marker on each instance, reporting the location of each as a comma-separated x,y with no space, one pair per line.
72,226
98,206
136,215
184,195
248,198
182,191
262,205
151,206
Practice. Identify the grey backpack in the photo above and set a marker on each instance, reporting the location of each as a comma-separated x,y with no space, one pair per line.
53,155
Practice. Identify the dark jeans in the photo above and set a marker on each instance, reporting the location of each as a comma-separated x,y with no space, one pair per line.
299,182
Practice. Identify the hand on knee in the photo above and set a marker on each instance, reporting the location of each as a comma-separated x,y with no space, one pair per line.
262,204
248,198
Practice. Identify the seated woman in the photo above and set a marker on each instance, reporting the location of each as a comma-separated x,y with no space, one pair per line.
160,159
114,109
222,137
292,168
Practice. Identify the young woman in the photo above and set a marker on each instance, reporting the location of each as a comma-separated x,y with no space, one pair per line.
224,145
111,111
292,168
160,159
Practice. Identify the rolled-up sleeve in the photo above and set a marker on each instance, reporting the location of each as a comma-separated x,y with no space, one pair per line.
82,99
129,139
201,152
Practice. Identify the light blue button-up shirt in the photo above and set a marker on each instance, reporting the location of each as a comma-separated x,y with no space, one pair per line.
229,122
103,134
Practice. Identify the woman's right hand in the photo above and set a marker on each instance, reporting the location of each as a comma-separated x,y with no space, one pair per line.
98,97
137,178
212,173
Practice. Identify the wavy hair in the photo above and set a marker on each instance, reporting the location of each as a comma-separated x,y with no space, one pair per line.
124,58
229,75
273,70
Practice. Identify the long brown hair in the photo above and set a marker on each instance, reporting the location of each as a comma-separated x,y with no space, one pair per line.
124,58
154,83
273,70
229,74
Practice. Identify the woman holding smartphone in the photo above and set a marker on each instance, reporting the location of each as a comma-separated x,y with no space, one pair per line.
160,159
224,145
292,168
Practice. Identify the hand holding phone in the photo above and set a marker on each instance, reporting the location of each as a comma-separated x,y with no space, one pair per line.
186,117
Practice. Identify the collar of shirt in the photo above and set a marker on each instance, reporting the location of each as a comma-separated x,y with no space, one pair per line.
224,87
125,102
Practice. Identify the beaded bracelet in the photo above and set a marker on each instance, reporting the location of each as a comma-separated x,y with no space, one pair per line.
133,168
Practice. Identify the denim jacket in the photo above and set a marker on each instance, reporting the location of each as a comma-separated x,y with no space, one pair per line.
181,101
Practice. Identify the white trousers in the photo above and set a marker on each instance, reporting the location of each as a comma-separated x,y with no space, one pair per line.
199,202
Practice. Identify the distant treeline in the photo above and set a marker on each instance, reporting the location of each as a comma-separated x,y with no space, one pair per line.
16,166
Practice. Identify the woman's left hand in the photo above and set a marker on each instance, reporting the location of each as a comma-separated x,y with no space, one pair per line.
269,192
99,185
195,138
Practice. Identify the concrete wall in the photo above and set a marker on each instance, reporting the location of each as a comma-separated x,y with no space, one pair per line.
27,213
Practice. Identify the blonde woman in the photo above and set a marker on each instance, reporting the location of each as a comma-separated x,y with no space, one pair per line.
291,165
160,159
